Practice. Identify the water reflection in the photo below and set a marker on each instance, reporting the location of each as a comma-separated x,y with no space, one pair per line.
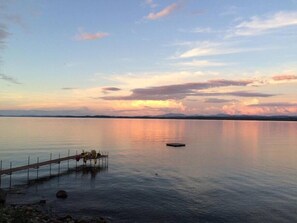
230,171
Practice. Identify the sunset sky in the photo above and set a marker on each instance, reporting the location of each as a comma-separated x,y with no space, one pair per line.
148,57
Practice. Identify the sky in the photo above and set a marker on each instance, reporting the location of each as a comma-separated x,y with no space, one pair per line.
148,57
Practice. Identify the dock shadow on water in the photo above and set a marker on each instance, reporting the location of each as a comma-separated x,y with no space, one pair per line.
91,170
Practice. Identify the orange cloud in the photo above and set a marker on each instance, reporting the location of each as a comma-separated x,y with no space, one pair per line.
147,107
163,13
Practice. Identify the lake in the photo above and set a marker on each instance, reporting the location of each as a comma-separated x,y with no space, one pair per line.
229,171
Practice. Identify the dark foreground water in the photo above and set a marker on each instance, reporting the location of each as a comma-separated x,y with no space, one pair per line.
230,171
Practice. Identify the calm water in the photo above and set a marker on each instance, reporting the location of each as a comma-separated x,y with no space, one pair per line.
230,171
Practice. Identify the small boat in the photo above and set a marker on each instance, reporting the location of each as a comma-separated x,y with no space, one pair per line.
176,144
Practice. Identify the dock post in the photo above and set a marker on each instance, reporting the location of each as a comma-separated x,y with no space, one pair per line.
68,159
10,175
59,164
76,160
37,167
28,171
103,160
51,164
0,174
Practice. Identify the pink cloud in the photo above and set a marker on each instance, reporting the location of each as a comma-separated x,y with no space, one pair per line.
91,36
284,77
281,108
163,13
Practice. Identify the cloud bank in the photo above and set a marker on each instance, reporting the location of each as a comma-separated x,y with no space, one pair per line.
177,91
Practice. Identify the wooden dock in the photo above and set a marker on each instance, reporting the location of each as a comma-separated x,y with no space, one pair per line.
37,165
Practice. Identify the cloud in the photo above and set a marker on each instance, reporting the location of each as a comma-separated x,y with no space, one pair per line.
249,94
147,79
91,36
218,100
147,107
284,77
3,34
210,49
111,89
106,90
204,30
176,91
276,104
246,94
276,108
259,25
256,108
201,63
9,79
68,88
203,49
163,13
199,30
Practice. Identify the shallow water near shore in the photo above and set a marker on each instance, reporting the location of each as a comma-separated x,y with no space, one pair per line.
229,171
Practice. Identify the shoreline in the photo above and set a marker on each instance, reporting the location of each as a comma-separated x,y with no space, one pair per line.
39,213
198,117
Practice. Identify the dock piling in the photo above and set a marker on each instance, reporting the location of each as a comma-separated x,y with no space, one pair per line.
76,160
0,170
51,164
28,171
37,168
10,175
59,164
68,160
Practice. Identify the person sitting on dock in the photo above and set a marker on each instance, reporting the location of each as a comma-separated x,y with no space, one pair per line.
93,155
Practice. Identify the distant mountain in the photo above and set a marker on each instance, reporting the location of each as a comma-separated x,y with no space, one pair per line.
222,115
172,115
44,112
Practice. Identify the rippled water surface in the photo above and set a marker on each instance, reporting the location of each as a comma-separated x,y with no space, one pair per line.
230,171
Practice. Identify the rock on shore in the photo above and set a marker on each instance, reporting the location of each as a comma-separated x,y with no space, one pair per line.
62,194
32,214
